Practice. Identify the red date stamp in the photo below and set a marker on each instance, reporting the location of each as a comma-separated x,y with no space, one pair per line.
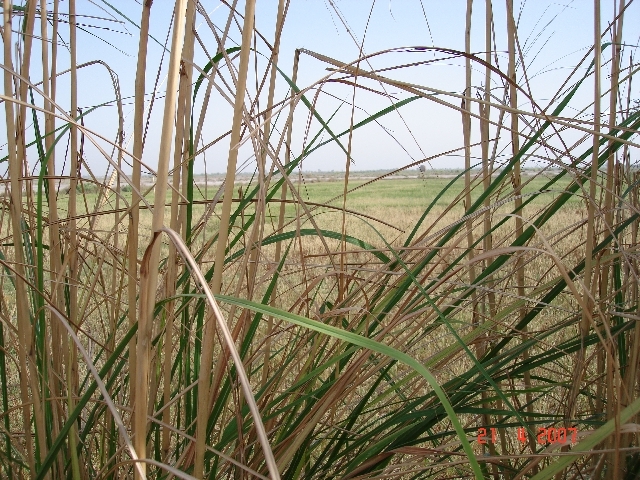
546,435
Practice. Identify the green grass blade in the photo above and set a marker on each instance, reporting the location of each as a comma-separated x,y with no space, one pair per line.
371,345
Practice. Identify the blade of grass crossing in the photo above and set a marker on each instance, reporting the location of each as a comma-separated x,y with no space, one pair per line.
59,442
371,345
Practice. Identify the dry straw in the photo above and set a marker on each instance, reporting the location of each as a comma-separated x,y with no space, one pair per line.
369,326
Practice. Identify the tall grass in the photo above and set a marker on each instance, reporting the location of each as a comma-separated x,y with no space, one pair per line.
277,334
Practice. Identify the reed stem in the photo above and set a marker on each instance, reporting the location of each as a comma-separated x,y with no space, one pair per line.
150,266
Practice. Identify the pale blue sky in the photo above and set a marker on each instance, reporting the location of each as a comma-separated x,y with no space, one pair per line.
554,36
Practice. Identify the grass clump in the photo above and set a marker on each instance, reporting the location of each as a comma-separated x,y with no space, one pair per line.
274,322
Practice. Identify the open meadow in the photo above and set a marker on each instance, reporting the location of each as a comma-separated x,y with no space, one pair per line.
218,263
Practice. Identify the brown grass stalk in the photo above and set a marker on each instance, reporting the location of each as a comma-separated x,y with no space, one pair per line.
57,293
590,239
343,230
58,337
180,156
72,248
186,81
614,394
466,133
24,324
516,180
223,236
221,43
257,230
283,199
488,306
20,133
634,364
134,215
149,269
485,114
590,279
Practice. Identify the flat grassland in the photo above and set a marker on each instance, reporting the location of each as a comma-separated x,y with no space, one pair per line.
391,206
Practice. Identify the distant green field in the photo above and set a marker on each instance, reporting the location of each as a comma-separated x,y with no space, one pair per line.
411,193
396,201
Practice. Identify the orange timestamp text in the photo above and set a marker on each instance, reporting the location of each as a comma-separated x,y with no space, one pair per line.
546,435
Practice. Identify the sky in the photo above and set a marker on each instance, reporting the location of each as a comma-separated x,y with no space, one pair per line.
554,38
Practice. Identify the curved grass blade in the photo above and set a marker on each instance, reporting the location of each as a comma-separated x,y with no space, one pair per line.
82,402
312,232
371,345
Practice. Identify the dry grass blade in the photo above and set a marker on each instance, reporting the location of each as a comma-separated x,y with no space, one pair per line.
104,391
24,327
362,337
228,338
149,275
134,216
233,147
